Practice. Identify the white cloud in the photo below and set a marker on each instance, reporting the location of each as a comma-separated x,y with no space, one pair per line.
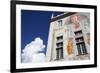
31,51
40,57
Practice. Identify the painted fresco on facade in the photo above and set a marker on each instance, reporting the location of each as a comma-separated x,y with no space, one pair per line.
75,41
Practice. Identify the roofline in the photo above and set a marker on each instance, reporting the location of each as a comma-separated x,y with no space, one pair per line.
62,16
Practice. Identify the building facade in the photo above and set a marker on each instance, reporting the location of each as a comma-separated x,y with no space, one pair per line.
69,37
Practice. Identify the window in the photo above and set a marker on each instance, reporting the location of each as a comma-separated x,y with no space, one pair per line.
81,48
59,53
60,37
78,33
79,39
60,23
60,44
80,43
59,49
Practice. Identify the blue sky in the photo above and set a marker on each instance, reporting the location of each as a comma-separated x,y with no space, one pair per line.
35,24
